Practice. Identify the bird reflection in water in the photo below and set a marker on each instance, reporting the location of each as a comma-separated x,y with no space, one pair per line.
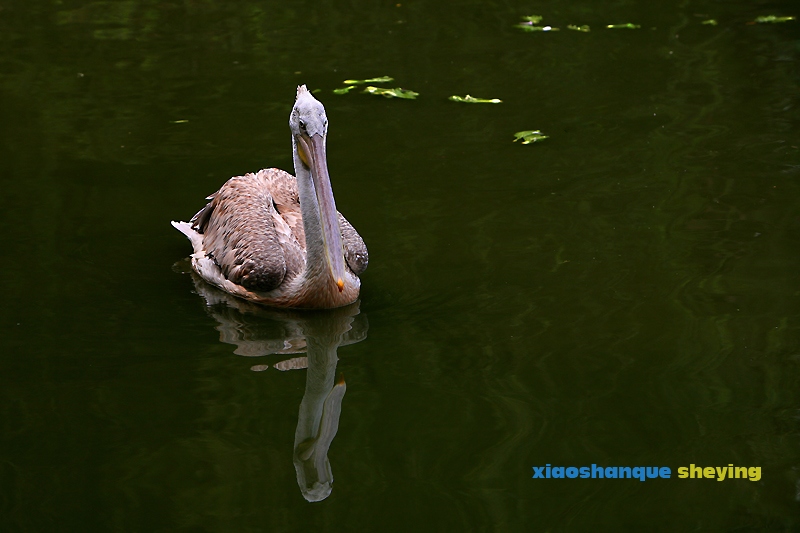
258,331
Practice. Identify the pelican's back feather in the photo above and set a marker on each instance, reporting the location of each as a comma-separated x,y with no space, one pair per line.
240,235
252,230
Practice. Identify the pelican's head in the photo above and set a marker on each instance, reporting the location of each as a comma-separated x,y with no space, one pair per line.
309,126
308,115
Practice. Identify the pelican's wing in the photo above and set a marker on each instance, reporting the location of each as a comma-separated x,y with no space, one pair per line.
355,251
243,233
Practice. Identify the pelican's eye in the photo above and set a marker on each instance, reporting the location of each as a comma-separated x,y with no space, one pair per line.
303,125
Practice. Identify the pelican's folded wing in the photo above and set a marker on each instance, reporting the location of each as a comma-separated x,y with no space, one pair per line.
355,251
239,233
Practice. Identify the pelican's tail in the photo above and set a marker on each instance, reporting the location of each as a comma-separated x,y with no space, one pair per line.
191,234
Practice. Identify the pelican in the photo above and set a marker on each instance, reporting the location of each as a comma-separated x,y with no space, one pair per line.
277,239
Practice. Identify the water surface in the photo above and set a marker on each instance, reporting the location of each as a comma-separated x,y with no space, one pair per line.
624,293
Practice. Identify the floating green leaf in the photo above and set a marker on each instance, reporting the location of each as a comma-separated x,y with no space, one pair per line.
529,27
184,121
709,22
344,90
772,19
530,136
629,26
583,28
472,100
391,93
533,19
382,79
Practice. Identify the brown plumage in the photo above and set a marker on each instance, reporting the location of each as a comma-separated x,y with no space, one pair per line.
251,238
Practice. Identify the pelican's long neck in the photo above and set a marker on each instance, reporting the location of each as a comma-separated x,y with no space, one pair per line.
317,267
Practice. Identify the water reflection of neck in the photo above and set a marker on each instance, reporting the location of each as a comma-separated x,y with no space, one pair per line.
318,419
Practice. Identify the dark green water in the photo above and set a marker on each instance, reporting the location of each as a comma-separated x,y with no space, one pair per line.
624,293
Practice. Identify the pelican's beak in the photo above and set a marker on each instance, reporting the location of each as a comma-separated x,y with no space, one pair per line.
312,151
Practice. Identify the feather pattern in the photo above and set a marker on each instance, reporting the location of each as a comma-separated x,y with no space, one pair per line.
277,239
252,231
